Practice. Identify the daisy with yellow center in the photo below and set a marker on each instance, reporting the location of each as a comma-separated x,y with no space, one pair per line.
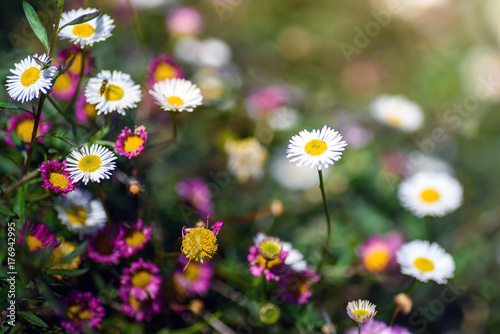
22,125
398,112
378,252
141,280
200,243
65,248
425,261
131,144
80,212
113,92
163,67
88,33
30,78
132,238
56,178
176,95
317,149
37,237
430,194
361,311
91,164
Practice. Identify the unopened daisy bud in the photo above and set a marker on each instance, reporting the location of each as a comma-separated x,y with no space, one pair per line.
196,306
404,302
199,224
361,311
277,208
269,314
270,248
134,187
326,329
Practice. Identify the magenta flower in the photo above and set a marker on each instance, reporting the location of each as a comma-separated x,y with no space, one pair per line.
65,86
141,281
195,280
378,252
102,247
264,101
141,310
37,237
131,144
196,193
185,21
376,327
56,178
65,56
163,67
23,125
82,310
84,111
267,257
132,238
295,286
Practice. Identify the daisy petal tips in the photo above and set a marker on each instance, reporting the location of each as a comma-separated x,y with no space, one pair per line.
91,164
87,33
317,149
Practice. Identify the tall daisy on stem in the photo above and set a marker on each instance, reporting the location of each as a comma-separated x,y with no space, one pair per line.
318,149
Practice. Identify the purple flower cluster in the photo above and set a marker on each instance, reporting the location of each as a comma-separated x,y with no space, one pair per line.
82,310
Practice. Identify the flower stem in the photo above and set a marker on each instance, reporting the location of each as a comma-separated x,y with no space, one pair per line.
174,126
19,182
73,98
38,114
328,222
110,223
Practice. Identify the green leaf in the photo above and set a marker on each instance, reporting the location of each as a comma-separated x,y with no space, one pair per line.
7,212
83,19
78,250
33,319
66,272
5,105
19,205
36,25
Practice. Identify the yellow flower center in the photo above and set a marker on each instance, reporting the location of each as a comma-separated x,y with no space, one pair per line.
135,303
269,264
64,249
83,30
78,313
361,314
377,260
34,243
192,272
24,129
429,195
270,250
77,215
424,264
62,82
113,93
395,121
175,101
91,111
59,180
89,163
132,143
164,71
76,67
135,238
30,76
199,244
141,279
315,147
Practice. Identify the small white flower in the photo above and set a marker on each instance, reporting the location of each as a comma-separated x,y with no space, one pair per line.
361,311
425,261
113,91
316,149
430,194
398,112
30,78
80,212
91,164
88,33
294,259
246,158
176,95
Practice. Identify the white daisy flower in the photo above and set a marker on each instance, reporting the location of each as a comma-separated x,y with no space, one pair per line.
294,259
398,112
246,158
361,311
113,91
91,164
88,33
425,261
176,95
30,78
80,212
316,149
430,194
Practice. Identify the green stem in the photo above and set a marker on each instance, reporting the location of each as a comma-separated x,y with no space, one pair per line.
264,286
328,222
73,98
110,223
19,182
38,115
174,125
137,24
411,287
58,108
